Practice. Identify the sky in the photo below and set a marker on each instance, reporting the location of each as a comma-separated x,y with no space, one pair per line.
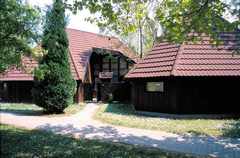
75,21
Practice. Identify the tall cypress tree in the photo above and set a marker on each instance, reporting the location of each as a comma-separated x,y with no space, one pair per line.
54,85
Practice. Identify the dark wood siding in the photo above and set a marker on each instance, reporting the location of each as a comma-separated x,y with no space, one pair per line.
16,91
120,91
154,101
189,95
21,92
208,95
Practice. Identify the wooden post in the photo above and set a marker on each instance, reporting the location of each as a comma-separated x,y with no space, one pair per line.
81,91
15,86
90,73
79,96
118,67
101,63
110,66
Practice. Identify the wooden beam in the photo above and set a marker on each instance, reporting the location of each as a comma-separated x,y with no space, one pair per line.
118,67
79,96
90,72
101,63
81,92
110,65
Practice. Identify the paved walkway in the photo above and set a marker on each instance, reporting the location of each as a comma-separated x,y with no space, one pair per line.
82,125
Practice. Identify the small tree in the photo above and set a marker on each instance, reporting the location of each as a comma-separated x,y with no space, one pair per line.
18,31
54,85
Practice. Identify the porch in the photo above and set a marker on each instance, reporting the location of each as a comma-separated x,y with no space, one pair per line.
104,77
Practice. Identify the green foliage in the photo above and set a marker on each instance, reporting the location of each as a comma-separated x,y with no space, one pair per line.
18,29
54,85
128,19
177,18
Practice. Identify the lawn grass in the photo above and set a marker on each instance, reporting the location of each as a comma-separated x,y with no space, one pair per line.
20,108
124,115
16,142
31,109
70,110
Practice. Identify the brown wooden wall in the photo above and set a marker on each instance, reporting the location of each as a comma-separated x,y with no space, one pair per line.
120,91
154,101
16,91
208,95
20,92
189,95
83,92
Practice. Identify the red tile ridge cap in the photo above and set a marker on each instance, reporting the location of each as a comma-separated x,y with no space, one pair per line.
180,48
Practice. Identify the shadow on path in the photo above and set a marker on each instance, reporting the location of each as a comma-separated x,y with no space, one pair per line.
219,147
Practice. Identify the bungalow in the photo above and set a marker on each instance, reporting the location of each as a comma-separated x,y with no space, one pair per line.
188,78
98,64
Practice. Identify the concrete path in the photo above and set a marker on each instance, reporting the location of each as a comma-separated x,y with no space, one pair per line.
82,125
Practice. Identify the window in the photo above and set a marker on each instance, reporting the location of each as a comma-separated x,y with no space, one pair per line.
114,64
105,64
154,87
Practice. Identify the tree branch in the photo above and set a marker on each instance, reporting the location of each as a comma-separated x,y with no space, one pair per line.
197,10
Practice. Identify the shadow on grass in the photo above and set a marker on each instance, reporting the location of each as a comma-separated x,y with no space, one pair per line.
225,127
123,109
34,110
126,109
21,109
23,143
218,147
232,129
29,112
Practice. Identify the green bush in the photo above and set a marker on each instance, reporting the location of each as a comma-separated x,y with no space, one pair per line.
54,85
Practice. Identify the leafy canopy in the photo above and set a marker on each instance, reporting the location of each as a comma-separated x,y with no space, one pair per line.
177,18
129,20
18,30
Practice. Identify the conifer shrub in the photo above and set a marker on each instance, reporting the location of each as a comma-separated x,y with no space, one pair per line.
54,86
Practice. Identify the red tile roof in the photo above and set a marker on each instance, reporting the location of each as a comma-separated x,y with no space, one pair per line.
22,73
189,59
81,44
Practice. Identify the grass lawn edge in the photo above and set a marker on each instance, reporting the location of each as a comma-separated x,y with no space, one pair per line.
127,117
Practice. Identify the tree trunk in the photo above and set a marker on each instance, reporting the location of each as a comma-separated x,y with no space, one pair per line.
140,40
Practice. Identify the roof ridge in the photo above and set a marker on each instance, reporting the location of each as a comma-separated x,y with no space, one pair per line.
176,59
92,33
